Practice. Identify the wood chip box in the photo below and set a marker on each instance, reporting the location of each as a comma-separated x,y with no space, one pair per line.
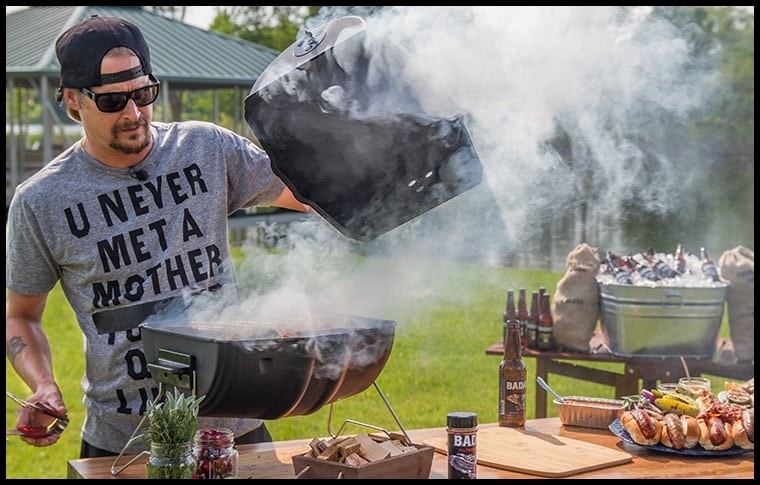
364,456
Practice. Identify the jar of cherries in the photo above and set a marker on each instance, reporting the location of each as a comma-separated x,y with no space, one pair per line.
215,454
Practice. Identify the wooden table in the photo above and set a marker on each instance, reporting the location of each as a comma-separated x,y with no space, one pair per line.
646,369
273,460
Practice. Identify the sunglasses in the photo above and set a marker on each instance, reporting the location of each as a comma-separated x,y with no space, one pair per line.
113,102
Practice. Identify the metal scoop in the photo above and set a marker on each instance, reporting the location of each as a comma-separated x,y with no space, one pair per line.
546,387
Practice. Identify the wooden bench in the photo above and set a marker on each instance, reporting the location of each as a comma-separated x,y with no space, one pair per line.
638,372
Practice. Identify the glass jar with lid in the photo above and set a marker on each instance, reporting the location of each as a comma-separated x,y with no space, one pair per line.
215,454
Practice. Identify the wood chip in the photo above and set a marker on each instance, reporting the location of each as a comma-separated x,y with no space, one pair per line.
399,436
355,460
370,450
393,447
317,446
349,446
359,450
331,453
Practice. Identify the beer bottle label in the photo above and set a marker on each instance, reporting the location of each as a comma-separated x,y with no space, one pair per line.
512,400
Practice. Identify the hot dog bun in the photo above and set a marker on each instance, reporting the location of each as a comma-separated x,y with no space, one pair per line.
690,429
744,437
714,434
647,435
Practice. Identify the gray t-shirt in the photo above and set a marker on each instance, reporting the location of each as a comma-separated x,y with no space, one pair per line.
115,241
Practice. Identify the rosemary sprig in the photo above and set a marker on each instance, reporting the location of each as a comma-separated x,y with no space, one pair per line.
174,420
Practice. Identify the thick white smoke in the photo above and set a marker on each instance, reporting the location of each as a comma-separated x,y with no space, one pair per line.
610,78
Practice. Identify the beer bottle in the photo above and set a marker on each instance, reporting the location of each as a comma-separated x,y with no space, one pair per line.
662,268
509,314
522,317
708,266
531,329
618,271
681,265
645,271
545,337
512,378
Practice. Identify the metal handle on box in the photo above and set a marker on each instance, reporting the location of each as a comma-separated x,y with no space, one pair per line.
673,299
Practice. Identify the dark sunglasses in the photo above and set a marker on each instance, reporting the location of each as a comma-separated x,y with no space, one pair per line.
113,102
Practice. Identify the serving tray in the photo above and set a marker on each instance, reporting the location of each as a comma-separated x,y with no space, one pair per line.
618,430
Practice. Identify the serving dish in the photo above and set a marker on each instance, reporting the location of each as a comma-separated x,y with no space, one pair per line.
616,427
589,412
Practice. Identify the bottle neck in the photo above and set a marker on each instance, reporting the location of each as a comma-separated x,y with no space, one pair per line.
545,318
512,346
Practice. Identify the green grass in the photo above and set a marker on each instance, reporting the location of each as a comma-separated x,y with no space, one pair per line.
447,314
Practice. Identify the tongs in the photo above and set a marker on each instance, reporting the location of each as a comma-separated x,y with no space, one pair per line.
55,427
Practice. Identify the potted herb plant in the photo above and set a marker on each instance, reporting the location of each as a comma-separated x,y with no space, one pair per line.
172,425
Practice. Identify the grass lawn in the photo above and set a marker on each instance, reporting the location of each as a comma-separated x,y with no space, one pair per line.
447,314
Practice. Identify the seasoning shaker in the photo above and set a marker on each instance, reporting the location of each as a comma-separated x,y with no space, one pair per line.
462,429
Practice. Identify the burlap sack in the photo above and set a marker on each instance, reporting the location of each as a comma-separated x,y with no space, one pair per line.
575,306
737,266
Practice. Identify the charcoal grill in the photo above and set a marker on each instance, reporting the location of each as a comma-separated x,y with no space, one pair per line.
265,369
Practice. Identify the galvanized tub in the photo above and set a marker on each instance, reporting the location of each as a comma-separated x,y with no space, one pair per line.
660,321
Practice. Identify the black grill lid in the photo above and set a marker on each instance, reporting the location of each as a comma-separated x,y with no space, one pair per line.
343,146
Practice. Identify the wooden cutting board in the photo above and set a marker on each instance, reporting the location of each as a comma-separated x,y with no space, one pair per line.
537,453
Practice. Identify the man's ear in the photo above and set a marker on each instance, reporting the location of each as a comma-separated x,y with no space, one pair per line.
71,98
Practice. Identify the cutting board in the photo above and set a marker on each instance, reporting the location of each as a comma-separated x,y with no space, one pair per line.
537,453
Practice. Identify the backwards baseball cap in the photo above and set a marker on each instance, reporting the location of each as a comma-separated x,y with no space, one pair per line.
81,49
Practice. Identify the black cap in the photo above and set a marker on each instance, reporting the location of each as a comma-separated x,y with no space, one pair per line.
81,49
461,420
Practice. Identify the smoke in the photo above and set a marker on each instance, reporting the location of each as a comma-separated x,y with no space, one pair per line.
567,106
572,111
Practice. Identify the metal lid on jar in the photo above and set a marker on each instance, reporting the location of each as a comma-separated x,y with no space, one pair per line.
461,419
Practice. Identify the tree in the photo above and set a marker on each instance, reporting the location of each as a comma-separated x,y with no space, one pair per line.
271,26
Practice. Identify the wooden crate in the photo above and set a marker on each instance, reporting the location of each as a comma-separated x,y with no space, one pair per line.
414,464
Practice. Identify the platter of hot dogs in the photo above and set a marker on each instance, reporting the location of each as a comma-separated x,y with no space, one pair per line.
617,429
687,421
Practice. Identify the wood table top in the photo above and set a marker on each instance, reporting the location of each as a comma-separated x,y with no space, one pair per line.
274,460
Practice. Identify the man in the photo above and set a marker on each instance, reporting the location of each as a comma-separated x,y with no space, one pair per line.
133,214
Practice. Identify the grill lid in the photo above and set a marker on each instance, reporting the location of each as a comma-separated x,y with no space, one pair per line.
338,139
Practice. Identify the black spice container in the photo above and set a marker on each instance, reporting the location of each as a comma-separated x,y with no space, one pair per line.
462,429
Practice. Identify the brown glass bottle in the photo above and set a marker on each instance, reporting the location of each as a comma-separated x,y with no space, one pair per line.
645,271
509,314
522,317
708,266
545,336
512,377
617,267
681,265
660,267
531,329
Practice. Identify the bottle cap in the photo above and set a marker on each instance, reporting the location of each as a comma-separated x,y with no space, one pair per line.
461,419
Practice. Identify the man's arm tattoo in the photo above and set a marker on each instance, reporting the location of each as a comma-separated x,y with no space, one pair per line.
13,347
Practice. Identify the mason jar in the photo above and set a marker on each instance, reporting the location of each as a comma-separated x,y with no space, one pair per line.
170,461
215,454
